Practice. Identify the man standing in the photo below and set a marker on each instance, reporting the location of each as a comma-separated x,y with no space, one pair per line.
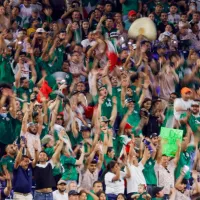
97,187
43,174
60,193
22,175
181,105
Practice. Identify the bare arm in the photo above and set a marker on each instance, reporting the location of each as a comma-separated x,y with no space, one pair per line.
114,111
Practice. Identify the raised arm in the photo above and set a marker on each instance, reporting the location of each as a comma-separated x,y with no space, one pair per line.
114,111
80,160
56,155
18,75
33,71
25,122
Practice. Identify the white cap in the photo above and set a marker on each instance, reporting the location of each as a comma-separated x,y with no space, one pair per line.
40,30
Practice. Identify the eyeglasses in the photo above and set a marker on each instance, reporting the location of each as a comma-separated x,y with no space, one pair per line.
59,118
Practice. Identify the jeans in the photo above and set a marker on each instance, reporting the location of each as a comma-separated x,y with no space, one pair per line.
43,196
18,196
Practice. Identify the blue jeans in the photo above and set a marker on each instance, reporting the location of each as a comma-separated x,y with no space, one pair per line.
43,196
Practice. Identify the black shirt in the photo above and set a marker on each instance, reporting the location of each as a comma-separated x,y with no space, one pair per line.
43,175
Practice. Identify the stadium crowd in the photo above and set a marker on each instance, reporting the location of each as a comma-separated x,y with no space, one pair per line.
82,104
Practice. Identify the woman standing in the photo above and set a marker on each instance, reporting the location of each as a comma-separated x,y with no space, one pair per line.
114,180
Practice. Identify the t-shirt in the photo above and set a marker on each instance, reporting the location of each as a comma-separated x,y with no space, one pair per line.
31,139
22,179
27,91
136,178
8,161
179,102
6,73
185,159
58,196
114,187
7,126
130,5
106,107
194,122
149,172
69,168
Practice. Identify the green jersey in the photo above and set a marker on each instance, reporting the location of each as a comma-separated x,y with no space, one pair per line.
186,158
8,127
116,91
149,172
133,120
75,140
8,161
69,168
28,91
130,5
106,108
6,73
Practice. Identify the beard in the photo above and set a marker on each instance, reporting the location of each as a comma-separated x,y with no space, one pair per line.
62,190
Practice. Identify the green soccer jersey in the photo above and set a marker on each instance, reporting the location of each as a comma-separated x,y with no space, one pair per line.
69,168
8,127
58,57
194,122
149,172
185,159
106,108
6,73
48,66
8,161
75,140
107,160
116,91
133,120
130,5
89,197
28,91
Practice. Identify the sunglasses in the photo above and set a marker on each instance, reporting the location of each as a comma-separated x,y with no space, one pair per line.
59,118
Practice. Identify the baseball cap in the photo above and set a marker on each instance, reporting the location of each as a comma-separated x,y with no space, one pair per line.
153,135
128,126
72,193
132,12
185,90
159,4
101,87
85,128
128,100
46,139
31,124
195,102
40,30
156,190
61,182
104,119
